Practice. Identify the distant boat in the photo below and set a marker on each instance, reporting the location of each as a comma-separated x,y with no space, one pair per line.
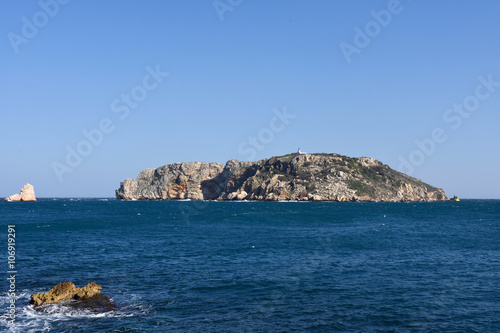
455,198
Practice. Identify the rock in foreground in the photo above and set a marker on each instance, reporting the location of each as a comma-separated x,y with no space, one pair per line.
27,194
86,297
301,177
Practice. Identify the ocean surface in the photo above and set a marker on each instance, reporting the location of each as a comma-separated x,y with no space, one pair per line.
256,266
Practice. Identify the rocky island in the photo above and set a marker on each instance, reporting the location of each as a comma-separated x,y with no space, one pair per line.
27,194
300,177
88,297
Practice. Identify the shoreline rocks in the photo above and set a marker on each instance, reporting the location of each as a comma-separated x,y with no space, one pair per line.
27,194
293,177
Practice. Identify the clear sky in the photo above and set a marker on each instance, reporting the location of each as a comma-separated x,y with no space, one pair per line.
92,92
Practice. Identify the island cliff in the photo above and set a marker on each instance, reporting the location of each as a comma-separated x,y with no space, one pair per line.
302,177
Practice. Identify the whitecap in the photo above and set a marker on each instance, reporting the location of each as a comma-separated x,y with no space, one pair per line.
29,319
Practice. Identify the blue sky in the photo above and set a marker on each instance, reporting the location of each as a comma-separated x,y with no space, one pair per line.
129,85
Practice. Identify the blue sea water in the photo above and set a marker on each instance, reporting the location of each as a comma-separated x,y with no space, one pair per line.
257,266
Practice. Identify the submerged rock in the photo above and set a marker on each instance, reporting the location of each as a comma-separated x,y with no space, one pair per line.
27,194
88,297
301,177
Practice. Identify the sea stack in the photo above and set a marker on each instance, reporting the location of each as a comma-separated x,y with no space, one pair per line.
27,194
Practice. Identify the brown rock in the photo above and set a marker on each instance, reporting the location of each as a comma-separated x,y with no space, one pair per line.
66,291
90,290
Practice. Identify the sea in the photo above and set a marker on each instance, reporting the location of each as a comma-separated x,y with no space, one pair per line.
203,266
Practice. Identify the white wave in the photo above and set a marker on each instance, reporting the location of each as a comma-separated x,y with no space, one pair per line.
29,319
63,311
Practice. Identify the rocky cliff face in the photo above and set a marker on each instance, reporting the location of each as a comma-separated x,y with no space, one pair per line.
27,194
302,177
191,180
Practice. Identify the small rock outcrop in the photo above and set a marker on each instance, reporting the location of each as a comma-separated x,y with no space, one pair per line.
27,194
297,177
90,296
